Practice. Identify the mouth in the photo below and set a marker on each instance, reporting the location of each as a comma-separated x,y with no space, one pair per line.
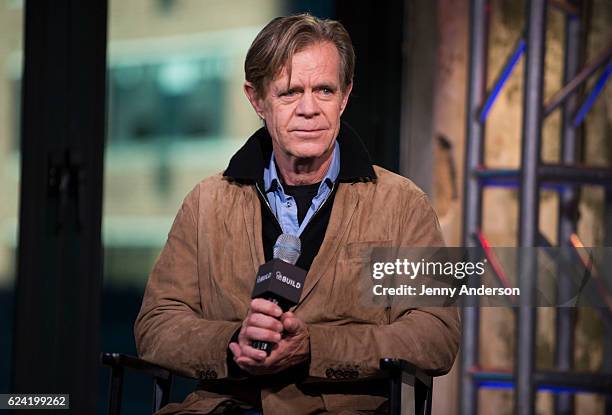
307,131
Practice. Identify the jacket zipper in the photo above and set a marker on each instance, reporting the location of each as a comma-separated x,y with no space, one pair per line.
324,202
268,205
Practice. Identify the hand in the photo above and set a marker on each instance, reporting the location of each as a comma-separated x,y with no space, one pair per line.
261,323
292,349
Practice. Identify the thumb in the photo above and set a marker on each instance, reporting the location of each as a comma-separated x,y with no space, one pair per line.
292,324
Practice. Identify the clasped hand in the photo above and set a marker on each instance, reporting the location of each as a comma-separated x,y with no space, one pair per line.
288,334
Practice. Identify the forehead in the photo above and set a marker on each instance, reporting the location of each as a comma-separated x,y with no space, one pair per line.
317,62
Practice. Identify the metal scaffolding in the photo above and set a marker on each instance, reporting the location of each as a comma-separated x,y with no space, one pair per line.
532,175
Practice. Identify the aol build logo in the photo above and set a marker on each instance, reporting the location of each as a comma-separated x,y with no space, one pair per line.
286,280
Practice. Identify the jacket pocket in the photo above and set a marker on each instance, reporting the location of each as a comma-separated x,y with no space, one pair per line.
362,250
353,285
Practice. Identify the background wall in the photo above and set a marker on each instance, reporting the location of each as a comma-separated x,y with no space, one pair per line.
502,149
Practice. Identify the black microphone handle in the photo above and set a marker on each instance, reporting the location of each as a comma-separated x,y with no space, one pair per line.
261,345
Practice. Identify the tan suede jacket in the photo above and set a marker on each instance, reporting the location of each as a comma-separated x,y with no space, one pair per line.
200,288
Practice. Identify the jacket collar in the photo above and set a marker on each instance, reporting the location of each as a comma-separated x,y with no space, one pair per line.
247,165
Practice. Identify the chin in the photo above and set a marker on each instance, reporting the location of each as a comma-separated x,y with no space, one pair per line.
309,151
310,147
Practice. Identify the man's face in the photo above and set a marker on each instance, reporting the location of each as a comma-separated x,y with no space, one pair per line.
303,117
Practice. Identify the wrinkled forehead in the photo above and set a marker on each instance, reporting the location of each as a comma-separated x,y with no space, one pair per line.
319,61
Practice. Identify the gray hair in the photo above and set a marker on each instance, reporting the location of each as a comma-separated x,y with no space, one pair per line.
276,44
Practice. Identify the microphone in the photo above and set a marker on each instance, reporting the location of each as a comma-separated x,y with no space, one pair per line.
279,280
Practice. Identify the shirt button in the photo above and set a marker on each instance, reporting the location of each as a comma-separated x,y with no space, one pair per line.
288,204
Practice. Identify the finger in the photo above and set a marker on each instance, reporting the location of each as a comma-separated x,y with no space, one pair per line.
256,367
252,353
247,363
265,322
235,348
252,367
259,305
288,314
256,333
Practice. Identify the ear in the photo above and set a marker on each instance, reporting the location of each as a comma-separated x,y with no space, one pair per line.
345,97
256,102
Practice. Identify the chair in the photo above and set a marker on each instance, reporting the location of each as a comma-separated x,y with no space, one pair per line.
410,389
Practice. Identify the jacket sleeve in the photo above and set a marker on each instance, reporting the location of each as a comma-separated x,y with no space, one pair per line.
426,337
169,329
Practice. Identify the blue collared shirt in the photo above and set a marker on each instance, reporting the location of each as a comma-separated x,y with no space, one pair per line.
284,206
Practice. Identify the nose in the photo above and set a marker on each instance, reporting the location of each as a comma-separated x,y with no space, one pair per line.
307,106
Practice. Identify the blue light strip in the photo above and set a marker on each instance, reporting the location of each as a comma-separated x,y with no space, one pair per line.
496,385
520,48
588,103
491,384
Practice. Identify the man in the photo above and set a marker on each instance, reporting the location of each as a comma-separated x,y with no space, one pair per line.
305,174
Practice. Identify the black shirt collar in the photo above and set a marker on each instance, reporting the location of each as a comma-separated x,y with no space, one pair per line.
248,164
